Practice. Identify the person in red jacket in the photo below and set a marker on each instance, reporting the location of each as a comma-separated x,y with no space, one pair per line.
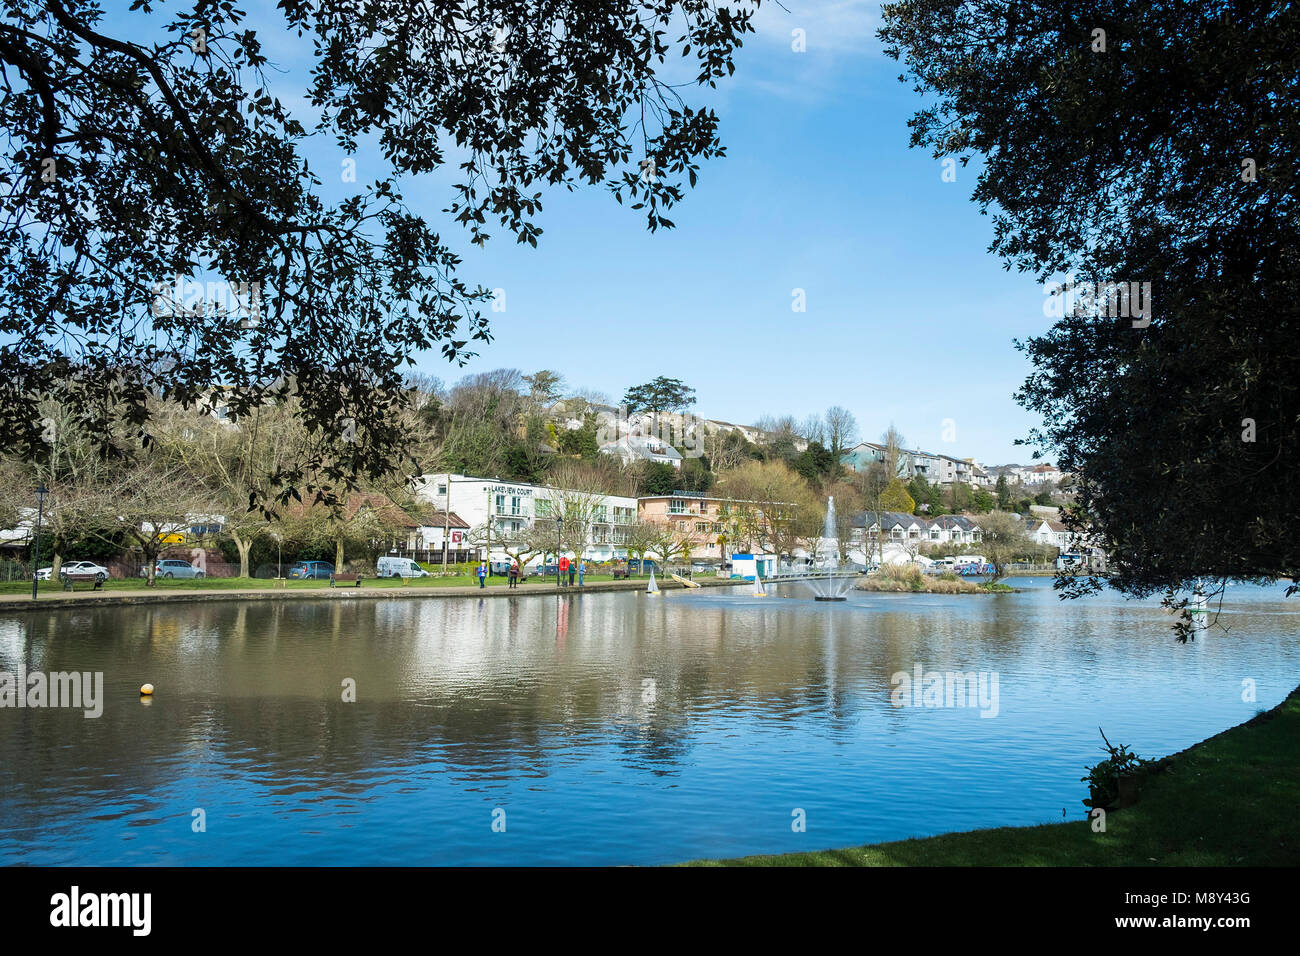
564,570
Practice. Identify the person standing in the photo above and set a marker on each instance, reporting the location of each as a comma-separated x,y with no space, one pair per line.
482,574
573,571
582,570
514,574
562,569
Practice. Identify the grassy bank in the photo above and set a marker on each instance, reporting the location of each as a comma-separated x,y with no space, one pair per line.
900,578
1227,801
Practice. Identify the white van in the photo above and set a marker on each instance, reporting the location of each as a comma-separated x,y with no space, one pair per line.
391,566
962,560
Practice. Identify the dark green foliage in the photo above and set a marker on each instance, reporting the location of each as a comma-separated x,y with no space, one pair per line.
172,161
1003,490
659,478
581,441
695,475
924,493
1169,159
815,463
661,395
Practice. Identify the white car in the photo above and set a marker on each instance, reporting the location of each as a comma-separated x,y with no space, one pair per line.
76,567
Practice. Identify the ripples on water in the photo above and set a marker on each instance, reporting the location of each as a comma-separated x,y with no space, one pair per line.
610,728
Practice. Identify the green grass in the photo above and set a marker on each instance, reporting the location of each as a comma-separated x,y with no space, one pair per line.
1227,801
255,584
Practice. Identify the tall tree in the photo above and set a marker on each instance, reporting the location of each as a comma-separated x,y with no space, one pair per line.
1183,255
895,455
660,395
841,430
154,151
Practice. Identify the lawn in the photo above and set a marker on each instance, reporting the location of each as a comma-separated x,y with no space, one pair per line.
1227,801
252,584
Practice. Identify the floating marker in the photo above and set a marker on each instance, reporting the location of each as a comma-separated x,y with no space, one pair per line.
146,690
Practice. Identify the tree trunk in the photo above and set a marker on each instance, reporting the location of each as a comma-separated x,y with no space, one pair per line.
243,547
338,555
55,563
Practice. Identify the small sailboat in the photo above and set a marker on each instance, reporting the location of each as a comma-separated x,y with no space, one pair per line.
759,590
684,582
652,587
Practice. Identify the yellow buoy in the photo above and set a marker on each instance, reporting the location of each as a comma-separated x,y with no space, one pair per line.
146,690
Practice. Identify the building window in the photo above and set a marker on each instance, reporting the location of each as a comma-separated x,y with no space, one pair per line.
501,504
677,506
442,490
515,507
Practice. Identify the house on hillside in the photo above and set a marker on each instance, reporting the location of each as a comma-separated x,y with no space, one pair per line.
643,448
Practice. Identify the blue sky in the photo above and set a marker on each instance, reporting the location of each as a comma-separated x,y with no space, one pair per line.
908,318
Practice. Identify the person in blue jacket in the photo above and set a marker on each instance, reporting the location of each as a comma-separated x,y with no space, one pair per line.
482,574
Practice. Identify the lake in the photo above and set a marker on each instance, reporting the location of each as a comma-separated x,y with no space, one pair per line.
596,728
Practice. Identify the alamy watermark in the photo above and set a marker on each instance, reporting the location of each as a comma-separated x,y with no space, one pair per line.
191,297
922,688
82,690
1118,300
653,433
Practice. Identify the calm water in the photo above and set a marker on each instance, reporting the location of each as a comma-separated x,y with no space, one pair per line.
609,728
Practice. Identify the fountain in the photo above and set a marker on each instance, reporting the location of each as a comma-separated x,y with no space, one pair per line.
836,578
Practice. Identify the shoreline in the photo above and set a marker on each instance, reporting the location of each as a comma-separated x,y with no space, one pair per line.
65,600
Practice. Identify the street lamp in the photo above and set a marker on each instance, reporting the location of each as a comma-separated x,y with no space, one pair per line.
559,528
41,492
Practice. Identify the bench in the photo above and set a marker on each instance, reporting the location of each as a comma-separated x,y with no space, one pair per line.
622,572
70,580
345,577
279,582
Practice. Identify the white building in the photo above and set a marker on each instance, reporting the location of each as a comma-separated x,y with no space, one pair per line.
641,448
515,506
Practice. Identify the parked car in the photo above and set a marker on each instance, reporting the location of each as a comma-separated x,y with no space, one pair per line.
75,567
311,569
391,566
172,568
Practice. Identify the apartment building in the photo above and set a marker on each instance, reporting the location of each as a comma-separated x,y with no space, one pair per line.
511,507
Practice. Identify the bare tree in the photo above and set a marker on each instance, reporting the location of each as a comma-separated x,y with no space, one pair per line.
813,429
841,429
639,539
895,455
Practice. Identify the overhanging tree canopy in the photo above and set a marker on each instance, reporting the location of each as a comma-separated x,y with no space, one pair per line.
153,149
1143,143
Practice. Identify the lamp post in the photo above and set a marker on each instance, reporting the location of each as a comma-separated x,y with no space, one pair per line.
559,530
41,492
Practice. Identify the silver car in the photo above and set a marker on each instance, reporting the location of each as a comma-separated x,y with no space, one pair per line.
173,568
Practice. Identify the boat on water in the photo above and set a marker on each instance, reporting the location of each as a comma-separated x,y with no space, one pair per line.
652,587
759,589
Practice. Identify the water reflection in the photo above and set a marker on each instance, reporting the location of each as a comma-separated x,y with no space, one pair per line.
616,728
